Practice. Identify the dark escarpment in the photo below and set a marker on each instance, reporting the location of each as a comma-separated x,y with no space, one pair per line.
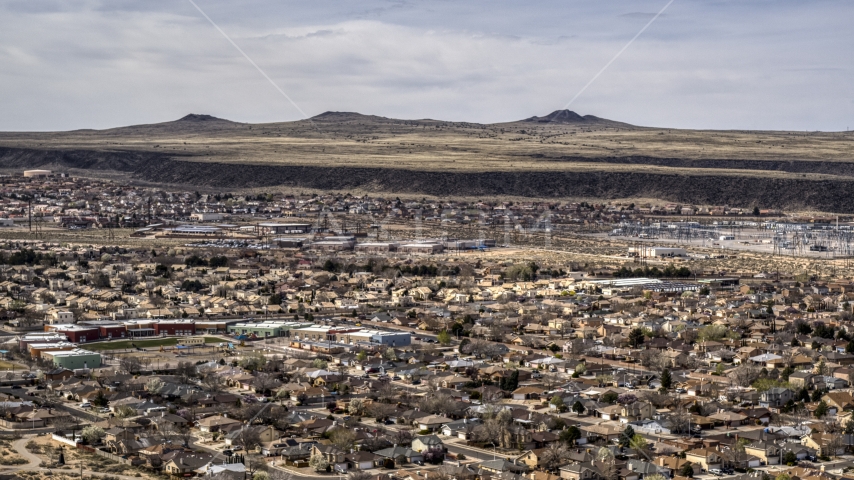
828,194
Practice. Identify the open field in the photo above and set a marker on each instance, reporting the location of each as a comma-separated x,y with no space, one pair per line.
584,158
6,365
159,342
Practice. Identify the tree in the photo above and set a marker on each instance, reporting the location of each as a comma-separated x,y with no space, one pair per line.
186,371
154,386
318,463
666,379
511,382
343,439
570,435
495,428
319,363
92,434
444,338
401,437
789,458
636,337
248,438
213,383
626,437
264,383
100,399
124,411
821,409
361,475
554,456
356,406
744,375
821,368
608,467
639,444
129,365
578,407
687,470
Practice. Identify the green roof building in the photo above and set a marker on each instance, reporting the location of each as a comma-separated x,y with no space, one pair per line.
73,359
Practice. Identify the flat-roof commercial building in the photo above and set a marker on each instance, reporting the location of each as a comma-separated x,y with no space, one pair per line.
658,252
41,337
334,244
377,337
36,349
376,247
313,332
76,333
204,231
422,248
266,329
73,359
392,339
270,228
206,216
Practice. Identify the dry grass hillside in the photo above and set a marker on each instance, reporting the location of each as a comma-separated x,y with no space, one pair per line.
559,155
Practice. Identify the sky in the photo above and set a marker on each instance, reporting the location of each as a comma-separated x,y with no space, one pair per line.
715,64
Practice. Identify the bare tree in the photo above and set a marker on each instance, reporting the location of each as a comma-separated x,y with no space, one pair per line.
745,375
343,438
495,428
679,421
186,371
438,403
554,456
381,411
129,364
401,437
248,438
213,383
166,430
361,475
386,392
264,382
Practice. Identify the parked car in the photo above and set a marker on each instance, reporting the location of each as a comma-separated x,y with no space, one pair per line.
85,405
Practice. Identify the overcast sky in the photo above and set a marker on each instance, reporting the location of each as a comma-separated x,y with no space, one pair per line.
740,64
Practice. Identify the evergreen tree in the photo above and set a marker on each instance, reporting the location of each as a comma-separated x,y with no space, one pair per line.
570,435
626,437
821,409
636,337
666,379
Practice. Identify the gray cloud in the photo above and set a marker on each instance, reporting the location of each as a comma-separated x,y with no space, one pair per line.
723,64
